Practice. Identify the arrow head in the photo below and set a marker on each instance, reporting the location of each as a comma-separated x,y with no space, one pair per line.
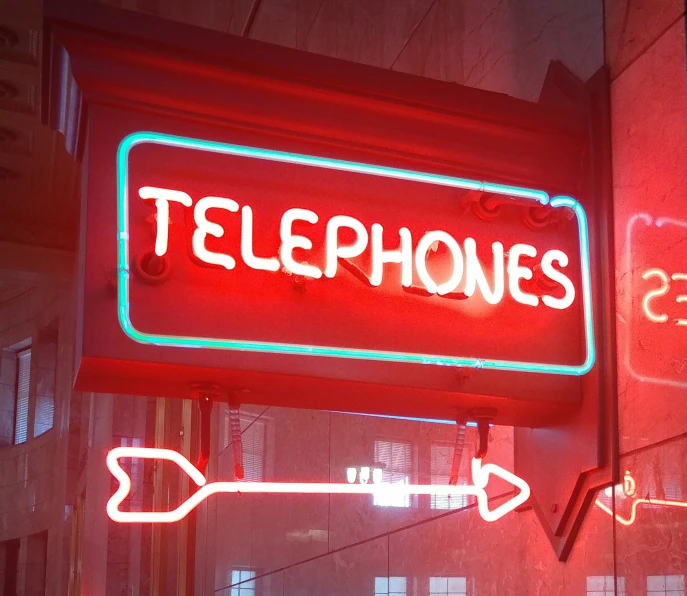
480,478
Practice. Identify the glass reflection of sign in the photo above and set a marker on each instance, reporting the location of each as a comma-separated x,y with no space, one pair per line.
657,343
294,254
626,493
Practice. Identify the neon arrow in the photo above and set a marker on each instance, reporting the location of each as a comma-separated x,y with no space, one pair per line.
629,490
480,476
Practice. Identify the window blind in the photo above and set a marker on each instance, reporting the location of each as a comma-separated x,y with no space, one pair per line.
45,413
395,458
21,416
441,459
46,363
253,436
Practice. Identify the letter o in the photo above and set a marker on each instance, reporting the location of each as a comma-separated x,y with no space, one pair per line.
421,262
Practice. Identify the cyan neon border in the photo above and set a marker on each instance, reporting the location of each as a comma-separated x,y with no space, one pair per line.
123,272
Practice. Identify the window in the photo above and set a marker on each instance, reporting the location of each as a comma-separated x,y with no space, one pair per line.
448,586
390,586
253,433
665,479
665,585
15,379
604,585
245,578
396,465
21,395
441,460
45,369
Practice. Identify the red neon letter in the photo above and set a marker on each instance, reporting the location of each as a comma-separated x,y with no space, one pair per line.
421,262
162,198
474,275
547,268
334,250
404,256
289,241
247,254
516,272
205,227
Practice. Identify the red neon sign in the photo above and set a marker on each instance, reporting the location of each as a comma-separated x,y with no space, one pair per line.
309,281
464,261
265,220
480,478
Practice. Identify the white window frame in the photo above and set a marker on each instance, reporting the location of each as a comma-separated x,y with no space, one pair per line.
665,585
22,396
383,586
604,585
443,585
242,574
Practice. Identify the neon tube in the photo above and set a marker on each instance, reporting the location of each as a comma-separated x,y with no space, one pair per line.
629,489
467,361
628,521
647,220
480,476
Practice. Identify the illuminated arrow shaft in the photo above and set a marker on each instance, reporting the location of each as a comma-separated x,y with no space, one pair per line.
480,475
628,521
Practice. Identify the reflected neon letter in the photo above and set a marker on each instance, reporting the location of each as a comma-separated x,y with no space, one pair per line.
162,198
662,291
681,298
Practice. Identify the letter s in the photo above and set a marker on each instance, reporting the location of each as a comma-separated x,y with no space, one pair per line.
547,269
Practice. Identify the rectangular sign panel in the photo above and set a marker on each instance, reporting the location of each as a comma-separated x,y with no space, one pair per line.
238,248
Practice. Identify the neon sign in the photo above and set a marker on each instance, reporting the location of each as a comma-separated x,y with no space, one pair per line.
659,300
502,279
480,478
629,489
468,264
